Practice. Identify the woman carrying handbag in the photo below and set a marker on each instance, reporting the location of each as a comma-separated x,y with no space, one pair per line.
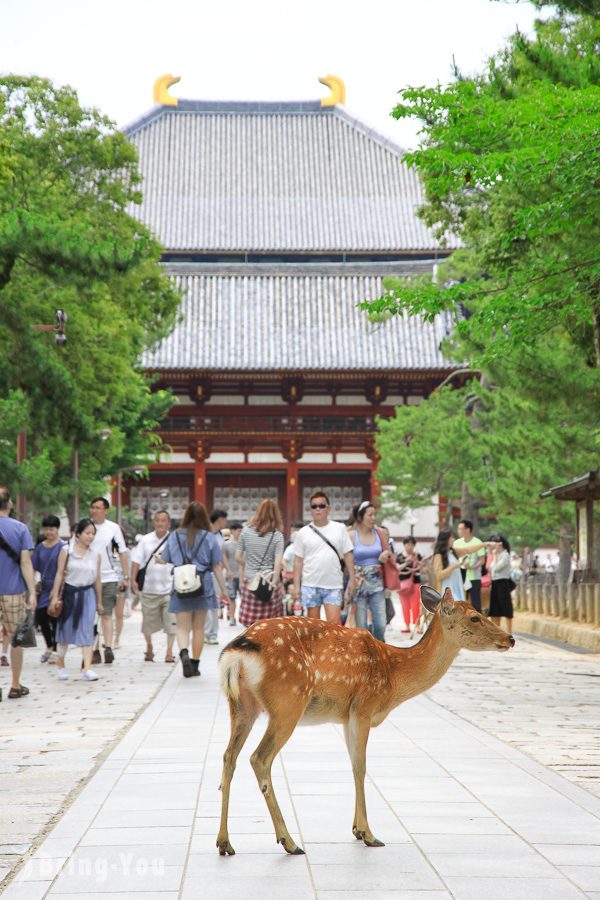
76,597
194,552
259,555
409,587
371,554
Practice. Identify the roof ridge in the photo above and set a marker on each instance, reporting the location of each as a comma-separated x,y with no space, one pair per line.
265,107
247,107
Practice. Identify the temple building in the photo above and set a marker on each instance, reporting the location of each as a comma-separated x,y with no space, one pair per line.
277,219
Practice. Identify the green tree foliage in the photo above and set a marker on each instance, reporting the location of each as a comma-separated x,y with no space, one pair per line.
68,181
510,162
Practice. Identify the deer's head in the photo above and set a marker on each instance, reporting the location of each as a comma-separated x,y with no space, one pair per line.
462,624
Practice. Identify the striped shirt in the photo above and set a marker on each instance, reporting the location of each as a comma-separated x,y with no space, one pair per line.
253,547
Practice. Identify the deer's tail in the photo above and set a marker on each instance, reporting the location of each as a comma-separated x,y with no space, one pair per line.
229,674
242,652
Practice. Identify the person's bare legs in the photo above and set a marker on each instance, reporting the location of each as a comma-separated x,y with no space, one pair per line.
119,616
314,612
183,622
198,632
86,652
170,642
333,613
149,647
107,629
16,664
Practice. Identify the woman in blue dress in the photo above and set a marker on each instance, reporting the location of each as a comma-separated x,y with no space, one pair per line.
79,566
194,542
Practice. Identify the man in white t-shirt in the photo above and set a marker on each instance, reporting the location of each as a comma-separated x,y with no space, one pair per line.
158,581
319,549
114,583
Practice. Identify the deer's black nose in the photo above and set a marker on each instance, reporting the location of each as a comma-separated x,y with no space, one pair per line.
512,642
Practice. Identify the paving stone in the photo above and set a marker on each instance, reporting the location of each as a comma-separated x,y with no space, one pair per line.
453,789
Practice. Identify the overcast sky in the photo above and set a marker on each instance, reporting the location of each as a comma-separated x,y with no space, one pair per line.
111,51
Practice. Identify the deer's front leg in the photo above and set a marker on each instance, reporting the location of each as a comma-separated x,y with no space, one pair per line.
356,733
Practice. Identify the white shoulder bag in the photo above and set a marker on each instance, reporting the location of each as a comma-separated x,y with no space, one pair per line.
187,580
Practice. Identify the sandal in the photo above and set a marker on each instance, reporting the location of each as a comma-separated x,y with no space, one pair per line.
15,693
149,656
170,659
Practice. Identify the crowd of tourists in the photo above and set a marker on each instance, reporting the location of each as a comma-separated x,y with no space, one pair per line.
187,577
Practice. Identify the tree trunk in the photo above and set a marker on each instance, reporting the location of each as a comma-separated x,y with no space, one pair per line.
469,507
565,544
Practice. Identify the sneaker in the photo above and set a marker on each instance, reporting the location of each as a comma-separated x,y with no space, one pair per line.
96,658
90,675
211,640
45,657
232,620
63,675
108,655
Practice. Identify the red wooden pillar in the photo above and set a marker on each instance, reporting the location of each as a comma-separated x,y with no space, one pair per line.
442,511
291,450
374,457
200,454
200,481
292,495
374,483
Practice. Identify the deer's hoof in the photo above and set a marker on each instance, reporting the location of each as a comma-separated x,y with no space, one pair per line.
293,849
373,842
225,848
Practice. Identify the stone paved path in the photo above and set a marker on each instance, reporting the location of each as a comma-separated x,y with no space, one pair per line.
53,739
464,812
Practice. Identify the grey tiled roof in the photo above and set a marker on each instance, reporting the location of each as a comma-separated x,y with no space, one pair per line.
278,322
274,177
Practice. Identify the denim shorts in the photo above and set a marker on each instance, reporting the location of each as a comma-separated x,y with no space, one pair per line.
314,596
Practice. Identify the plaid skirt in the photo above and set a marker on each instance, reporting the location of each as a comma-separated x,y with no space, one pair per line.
252,609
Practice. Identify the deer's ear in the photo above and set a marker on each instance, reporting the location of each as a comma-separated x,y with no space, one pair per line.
447,601
430,598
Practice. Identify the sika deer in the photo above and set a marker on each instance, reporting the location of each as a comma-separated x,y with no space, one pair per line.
305,671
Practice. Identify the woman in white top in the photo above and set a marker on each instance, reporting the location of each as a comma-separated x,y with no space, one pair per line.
79,565
502,585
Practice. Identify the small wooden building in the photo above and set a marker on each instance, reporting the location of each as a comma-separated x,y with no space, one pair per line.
584,491
277,220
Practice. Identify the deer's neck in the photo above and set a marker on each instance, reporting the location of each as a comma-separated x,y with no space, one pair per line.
416,669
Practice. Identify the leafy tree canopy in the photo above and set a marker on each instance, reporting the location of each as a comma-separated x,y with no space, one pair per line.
509,161
68,182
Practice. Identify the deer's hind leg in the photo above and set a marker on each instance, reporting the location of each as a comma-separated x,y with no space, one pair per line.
243,716
282,722
356,733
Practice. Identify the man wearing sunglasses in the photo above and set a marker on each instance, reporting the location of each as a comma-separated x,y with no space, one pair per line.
322,551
